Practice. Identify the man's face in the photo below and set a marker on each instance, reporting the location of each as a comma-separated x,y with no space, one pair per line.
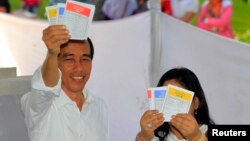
75,64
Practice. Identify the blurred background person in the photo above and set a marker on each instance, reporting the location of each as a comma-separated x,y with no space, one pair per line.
116,9
215,16
184,10
4,6
31,7
166,7
142,6
53,2
98,10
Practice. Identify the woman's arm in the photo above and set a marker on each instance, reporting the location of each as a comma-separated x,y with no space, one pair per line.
225,18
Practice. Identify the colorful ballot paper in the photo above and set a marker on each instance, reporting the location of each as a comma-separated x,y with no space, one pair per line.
156,97
51,12
177,100
60,12
77,16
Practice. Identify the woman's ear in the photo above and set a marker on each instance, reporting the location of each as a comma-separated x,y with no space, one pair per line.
196,102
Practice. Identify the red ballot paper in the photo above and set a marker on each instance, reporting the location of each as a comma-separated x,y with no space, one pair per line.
80,9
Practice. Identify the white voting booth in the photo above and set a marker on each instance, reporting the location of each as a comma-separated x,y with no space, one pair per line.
130,55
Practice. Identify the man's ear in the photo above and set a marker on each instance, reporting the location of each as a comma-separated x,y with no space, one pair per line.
196,102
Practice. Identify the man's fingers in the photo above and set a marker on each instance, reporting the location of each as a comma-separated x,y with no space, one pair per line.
54,36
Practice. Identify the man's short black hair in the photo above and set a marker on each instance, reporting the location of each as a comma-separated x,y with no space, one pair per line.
91,48
81,41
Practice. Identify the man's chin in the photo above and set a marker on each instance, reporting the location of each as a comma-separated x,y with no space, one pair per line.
77,90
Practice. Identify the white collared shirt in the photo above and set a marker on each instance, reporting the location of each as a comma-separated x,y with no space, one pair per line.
50,115
181,7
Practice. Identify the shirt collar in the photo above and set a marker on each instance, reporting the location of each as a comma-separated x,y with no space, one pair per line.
63,99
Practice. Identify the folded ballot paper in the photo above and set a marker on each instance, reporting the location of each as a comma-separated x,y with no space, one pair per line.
77,16
170,100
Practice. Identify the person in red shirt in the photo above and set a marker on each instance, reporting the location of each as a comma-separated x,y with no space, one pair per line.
166,7
215,16
31,6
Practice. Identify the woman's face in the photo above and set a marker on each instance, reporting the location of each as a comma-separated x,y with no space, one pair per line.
195,102
214,2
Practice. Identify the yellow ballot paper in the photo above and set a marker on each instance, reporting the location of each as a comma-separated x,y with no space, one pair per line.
177,100
51,12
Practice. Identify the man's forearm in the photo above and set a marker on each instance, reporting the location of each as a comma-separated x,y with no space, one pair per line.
50,72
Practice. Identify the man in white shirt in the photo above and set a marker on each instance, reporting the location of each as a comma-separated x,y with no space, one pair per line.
59,108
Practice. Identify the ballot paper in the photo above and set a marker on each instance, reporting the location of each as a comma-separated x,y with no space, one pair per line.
51,12
177,100
156,97
77,16
60,12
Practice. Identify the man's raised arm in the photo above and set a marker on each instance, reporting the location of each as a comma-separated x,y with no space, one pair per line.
53,36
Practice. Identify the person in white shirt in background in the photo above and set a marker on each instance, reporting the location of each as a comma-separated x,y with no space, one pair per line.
117,9
184,10
59,107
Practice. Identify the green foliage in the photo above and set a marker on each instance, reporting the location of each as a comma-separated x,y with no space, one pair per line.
244,37
241,20
41,10
15,4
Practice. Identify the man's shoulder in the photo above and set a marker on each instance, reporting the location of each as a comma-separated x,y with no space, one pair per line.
25,96
94,98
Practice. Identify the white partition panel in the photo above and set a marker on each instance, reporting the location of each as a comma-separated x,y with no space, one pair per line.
222,65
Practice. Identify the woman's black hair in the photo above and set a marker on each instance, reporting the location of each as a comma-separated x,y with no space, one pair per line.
189,81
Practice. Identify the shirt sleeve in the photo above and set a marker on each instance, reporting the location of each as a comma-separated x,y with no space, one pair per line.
36,103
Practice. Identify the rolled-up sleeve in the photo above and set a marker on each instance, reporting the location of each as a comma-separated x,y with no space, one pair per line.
36,103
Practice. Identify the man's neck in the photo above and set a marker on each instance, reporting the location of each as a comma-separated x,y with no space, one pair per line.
78,98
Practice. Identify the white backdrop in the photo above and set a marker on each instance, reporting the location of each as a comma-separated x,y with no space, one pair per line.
121,66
